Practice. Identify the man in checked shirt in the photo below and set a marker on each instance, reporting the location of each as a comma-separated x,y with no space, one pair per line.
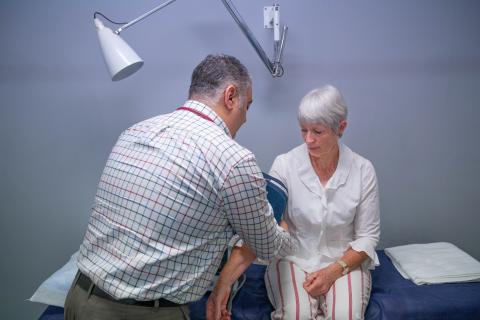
174,191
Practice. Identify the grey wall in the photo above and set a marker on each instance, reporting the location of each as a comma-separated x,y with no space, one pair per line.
409,70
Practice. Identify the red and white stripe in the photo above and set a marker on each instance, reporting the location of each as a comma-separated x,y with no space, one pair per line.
346,299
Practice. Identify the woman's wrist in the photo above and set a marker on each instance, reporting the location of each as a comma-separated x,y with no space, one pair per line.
336,270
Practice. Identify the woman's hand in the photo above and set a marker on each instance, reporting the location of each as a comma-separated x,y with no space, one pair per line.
319,282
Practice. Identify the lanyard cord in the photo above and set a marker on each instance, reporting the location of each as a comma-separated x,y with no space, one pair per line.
198,113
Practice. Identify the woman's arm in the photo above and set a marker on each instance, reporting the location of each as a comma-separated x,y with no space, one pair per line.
367,216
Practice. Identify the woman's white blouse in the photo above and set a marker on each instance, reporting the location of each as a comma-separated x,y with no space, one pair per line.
328,220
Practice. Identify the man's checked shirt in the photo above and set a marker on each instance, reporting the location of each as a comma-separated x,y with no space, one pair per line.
174,191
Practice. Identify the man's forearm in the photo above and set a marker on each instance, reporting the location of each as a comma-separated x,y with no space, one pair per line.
239,260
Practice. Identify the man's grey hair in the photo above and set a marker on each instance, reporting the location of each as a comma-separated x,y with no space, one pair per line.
324,105
215,72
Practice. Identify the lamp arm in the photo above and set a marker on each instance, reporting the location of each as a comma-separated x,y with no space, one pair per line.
143,16
246,31
280,46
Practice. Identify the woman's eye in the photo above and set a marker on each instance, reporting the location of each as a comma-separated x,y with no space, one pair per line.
317,132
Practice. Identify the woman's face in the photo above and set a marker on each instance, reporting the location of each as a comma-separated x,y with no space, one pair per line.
320,139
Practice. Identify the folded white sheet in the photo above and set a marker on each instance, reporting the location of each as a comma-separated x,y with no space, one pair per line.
53,291
439,262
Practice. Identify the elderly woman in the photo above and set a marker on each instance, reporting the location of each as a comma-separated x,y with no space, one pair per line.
333,212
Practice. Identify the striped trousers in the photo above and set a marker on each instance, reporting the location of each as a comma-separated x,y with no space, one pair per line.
347,298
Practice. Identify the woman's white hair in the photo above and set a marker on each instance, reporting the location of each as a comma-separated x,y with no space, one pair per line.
324,105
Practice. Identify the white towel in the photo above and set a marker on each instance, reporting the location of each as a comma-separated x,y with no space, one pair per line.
439,262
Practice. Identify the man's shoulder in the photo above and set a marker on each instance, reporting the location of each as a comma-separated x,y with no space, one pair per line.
231,149
149,122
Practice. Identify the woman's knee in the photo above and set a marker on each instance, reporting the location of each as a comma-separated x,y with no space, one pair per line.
347,311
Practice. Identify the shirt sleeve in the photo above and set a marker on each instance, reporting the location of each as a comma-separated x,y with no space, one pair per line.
250,214
367,218
277,170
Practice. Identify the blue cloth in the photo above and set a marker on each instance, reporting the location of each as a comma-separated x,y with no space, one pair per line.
52,313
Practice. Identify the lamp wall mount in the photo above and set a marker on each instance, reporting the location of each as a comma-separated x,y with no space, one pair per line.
275,66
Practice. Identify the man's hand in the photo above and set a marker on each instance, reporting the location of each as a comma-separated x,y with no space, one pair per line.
217,302
240,259
284,225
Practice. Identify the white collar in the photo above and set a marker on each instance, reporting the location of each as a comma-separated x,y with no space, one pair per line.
309,177
206,110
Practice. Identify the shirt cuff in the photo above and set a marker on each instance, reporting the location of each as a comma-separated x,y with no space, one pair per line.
289,244
236,241
365,244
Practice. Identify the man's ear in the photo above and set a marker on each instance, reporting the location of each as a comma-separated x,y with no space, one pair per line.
230,96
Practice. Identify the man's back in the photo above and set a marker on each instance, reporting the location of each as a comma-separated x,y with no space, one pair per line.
173,192
158,208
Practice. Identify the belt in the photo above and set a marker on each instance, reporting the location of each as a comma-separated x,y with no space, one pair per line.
84,282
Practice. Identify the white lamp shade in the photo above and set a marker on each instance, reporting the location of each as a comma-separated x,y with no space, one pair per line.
120,58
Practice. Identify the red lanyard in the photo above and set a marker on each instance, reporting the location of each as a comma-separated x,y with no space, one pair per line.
198,113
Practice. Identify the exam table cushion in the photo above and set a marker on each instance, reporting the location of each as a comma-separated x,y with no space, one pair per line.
392,298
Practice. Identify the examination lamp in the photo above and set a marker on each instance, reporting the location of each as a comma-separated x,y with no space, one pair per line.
122,60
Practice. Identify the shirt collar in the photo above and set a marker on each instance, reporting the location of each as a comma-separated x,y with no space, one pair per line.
343,167
309,177
206,110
